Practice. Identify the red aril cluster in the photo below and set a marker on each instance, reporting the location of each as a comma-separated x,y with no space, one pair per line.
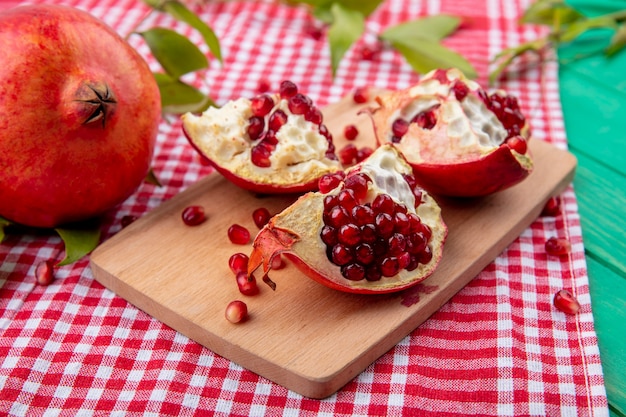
268,118
372,239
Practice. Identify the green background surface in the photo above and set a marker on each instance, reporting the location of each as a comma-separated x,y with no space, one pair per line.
593,96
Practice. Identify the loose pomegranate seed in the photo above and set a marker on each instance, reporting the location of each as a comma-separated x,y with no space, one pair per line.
261,216
128,219
193,215
287,89
361,95
566,302
351,132
557,246
236,311
552,207
263,86
329,182
44,272
261,105
399,127
238,234
256,124
371,51
238,262
247,284
347,154
299,104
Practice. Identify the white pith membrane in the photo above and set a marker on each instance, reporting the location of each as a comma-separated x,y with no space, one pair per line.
386,169
465,130
221,135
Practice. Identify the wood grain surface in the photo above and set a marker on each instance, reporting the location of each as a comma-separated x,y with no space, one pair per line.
304,336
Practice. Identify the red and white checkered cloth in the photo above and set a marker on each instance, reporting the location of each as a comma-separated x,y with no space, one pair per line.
498,347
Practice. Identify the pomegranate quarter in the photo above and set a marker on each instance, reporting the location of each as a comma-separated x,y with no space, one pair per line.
460,140
377,231
269,144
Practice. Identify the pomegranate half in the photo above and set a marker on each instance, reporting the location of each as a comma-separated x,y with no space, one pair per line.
376,232
460,140
271,144
80,112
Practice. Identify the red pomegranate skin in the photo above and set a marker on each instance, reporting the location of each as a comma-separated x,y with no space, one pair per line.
59,67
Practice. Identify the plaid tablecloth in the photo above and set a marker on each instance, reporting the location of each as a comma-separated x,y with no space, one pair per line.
498,347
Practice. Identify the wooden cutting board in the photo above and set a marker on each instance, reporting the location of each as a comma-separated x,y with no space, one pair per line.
304,336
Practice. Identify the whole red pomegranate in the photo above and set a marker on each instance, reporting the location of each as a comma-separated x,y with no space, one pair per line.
80,111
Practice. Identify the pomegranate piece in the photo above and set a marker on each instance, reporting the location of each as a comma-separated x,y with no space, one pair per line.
557,246
193,215
377,231
566,302
44,272
272,143
236,311
460,140
238,234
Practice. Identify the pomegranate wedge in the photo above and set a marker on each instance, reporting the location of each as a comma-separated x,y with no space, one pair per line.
377,231
269,144
460,140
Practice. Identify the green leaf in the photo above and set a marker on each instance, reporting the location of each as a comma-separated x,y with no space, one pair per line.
178,97
348,26
79,240
552,13
576,29
432,28
618,41
181,12
506,56
3,223
176,54
322,8
427,55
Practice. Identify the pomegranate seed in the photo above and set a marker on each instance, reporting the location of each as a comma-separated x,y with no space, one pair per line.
557,246
426,119
349,234
460,90
358,184
238,234
263,86
193,215
353,272
261,216
371,51
341,254
364,253
256,124
260,155
277,120
329,182
261,105
347,154
363,214
247,285
329,235
351,132
128,219
236,311
238,263
361,95
363,153
518,144
552,207
383,204
299,104
566,302
314,115
399,127
287,89
278,263
338,216
384,224
389,266
313,31
44,272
